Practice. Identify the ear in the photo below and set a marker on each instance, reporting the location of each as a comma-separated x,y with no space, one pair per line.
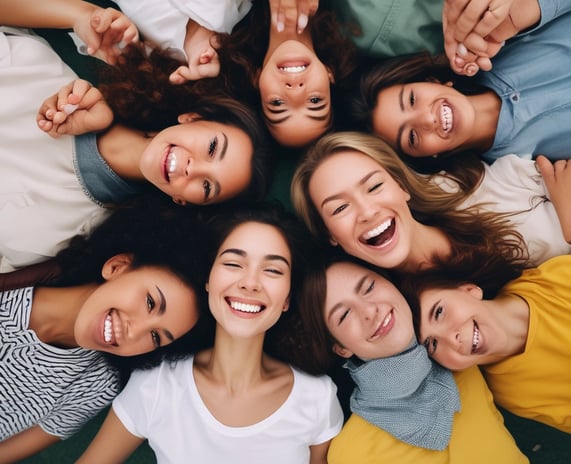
286,306
179,201
187,117
116,265
206,287
256,79
341,351
449,84
330,75
333,242
473,290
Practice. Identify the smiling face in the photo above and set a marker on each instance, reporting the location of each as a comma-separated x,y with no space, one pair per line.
365,313
363,208
199,162
136,311
457,329
295,94
423,118
250,280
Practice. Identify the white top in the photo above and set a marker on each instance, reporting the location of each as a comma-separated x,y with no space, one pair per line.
513,184
165,406
164,22
58,389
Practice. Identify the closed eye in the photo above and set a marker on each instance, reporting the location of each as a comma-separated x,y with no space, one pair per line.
412,139
339,209
156,338
370,288
411,98
375,187
344,315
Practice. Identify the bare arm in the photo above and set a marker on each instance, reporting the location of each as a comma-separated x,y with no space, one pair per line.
25,444
112,444
103,30
318,453
557,178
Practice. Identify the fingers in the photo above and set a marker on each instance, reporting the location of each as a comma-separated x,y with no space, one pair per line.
292,14
110,32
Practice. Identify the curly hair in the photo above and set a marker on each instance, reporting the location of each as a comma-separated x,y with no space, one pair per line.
141,96
158,233
287,339
474,234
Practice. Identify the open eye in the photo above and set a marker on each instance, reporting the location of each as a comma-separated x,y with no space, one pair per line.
150,302
438,312
212,147
412,139
411,98
315,100
277,102
339,209
207,187
430,344
156,338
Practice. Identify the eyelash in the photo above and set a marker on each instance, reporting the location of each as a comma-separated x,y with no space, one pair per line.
156,338
150,302
212,147
375,187
339,209
315,100
438,312
370,288
344,315
427,344
207,189
276,102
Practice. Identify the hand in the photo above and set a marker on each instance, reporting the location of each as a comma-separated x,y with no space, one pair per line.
479,27
557,178
78,108
203,59
105,32
290,14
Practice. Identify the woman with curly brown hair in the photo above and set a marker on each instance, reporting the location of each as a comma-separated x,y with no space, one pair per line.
141,132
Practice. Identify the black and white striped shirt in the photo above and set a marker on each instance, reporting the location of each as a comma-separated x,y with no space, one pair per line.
55,388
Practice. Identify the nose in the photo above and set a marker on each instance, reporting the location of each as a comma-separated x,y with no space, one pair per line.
366,209
250,282
369,311
424,119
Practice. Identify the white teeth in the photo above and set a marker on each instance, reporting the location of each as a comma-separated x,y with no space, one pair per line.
387,319
446,118
475,338
245,308
171,162
108,328
379,229
293,69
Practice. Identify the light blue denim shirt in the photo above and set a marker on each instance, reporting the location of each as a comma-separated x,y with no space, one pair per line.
532,76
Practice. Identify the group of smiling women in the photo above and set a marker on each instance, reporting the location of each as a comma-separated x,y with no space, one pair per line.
430,252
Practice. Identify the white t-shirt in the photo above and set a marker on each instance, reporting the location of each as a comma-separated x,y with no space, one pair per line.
164,406
513,184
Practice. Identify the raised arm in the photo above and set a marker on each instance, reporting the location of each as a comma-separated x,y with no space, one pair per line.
103,30
25,444
557,178
112,444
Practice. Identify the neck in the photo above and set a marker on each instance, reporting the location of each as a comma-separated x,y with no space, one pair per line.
511,315
121,148
54,312
430,242
487,107
235,362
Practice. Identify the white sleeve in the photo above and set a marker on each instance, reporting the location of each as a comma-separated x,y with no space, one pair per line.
217,15
330,415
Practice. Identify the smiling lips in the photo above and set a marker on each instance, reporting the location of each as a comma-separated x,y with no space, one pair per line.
108,335
383,326
380,235
475,338
169,164
245,307
446,118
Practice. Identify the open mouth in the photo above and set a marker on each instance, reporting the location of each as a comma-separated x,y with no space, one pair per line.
108,334
293,66
475,338
380,235
169,164
383,326
245,307
446,118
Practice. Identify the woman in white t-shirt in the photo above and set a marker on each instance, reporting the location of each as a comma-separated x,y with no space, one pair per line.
235,402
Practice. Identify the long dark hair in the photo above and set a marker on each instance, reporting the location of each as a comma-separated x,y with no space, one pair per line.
286,340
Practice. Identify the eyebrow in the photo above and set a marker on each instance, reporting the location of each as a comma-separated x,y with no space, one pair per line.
361,182
269,257
324,117
162,309
401,127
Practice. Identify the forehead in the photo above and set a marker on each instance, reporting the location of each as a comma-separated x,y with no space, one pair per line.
257,238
